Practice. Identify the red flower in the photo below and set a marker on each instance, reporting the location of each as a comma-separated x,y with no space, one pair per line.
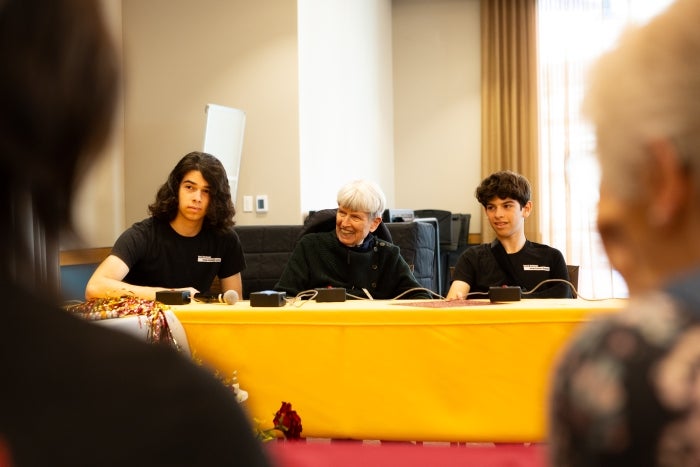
288,421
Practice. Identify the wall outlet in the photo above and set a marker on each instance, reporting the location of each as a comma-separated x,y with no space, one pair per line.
247,203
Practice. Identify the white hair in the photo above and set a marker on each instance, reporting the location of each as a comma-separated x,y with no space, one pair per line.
647,89
364,196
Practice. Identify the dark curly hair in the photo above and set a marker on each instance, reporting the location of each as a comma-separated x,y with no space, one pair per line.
220,211
504,184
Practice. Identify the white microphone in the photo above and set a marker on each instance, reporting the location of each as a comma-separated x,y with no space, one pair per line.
230,297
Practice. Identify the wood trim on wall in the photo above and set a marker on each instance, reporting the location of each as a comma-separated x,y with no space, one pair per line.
83,256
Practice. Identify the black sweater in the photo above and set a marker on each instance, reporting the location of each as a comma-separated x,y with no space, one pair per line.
320,260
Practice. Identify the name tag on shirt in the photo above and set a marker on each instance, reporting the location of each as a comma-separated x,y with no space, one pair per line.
534,267
208,259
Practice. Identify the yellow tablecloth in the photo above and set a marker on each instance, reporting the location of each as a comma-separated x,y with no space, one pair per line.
387,370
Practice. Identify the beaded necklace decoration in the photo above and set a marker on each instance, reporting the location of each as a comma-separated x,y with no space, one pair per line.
120,307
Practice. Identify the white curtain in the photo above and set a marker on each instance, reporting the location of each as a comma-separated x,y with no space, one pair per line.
571,34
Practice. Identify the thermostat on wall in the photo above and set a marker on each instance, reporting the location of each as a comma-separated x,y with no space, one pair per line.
261,203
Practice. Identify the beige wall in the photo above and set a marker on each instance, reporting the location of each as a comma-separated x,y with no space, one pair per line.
437,105
180,55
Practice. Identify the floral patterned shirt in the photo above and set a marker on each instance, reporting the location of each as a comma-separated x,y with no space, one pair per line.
627,390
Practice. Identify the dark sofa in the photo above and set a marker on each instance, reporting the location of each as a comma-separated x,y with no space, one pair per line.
268,247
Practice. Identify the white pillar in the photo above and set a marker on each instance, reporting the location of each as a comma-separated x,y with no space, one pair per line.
345,97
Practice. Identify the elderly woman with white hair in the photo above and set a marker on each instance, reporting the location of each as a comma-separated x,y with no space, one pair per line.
351,256
626,392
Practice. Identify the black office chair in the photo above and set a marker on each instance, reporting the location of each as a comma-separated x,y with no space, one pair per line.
573,277
324,221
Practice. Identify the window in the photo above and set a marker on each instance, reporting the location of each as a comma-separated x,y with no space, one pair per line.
571,35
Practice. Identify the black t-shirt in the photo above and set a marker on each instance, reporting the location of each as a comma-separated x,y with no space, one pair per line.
158,256
534,263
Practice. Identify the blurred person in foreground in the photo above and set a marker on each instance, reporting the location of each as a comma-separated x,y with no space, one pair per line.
186,242
351,256
627,390
511,259
73,393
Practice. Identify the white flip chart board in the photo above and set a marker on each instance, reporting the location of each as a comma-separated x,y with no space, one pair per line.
223,138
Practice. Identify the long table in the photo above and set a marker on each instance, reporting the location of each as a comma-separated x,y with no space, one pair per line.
394,370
